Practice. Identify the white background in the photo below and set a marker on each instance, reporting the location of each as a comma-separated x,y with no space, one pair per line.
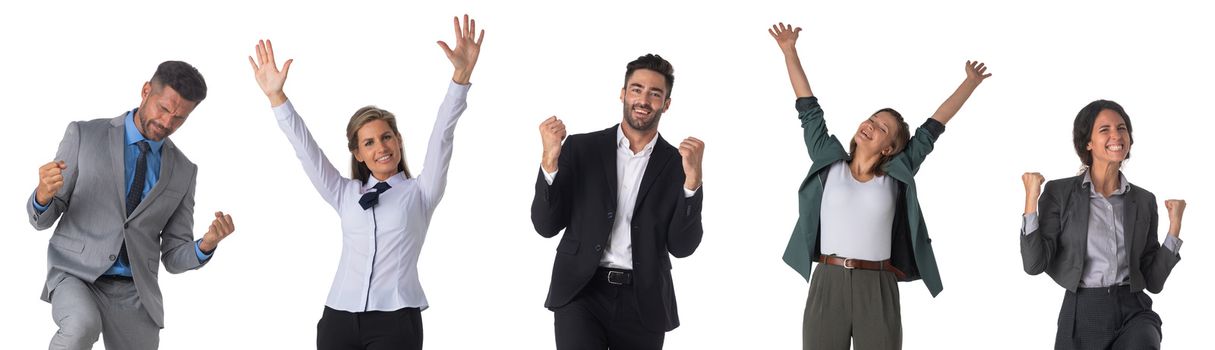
486,271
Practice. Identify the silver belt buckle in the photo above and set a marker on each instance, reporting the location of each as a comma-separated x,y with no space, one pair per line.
848,264
614,277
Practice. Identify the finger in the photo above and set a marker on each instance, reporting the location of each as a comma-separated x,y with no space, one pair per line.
231,224
446,49
261,52
482,37
797,30
773,34
455,22
62,164
472,28
466,33
252,64
286,66
270,50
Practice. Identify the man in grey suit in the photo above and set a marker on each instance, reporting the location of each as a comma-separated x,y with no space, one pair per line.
122,192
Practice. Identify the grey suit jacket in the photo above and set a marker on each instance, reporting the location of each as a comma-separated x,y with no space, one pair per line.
1059,245
91,210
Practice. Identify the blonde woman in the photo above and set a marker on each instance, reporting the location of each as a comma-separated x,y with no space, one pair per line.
376,300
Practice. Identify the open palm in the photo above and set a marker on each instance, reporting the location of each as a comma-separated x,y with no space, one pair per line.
266,71
468,48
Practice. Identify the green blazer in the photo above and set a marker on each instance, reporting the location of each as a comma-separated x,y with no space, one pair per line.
911,249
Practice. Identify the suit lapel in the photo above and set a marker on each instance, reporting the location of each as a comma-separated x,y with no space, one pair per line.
658,161
1128,223
607,155
117,142
1082,200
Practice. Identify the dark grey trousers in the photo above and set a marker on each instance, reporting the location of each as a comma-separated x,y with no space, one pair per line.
1107,318
857,307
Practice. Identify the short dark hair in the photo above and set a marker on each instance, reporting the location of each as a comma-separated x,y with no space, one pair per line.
1082,129
655,63
183,78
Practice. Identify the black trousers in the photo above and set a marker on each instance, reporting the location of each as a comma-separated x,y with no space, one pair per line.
1108,318
371,330
603,316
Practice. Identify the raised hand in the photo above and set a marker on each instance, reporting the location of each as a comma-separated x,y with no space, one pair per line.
50,180
975,71
468,47
785,35
1033,188
266,71
692,150
220,228
552,132
1176,207
786,38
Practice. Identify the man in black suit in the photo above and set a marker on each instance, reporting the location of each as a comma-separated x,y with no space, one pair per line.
625,198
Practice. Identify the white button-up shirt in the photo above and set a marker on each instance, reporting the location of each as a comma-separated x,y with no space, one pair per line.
378,268
630,167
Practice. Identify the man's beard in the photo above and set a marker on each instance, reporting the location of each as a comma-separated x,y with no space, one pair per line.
639,125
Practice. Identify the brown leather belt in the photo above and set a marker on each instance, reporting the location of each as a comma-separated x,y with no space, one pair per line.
849,263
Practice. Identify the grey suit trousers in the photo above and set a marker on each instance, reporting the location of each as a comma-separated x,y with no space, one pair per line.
1107,318
845,306
110,307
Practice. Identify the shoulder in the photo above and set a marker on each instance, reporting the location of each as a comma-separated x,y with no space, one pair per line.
1064,184
1141,193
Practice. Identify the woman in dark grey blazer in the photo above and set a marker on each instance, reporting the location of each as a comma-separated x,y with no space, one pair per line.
1095,235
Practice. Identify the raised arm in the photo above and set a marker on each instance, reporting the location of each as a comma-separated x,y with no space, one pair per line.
433,178
325,178
975,73
786,38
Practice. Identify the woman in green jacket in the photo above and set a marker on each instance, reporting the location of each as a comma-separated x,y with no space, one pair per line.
859,217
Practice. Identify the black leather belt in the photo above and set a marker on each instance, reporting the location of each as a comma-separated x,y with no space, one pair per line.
615,276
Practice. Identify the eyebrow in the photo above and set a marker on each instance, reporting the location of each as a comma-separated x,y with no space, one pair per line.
651,89
386,133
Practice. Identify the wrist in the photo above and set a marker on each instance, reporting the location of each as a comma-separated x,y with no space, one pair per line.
277,98
461,76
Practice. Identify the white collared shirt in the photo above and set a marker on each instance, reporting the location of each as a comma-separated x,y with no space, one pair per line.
630,167
378,268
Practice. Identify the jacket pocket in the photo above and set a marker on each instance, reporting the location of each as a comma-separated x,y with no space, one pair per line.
67,243
568,246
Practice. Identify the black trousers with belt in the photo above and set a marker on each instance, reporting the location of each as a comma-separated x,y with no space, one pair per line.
1108,318
604,316
371,330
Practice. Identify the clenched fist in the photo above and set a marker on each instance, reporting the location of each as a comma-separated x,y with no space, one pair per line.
1176,207
552,132
50,180
220,228
692,150
1033,188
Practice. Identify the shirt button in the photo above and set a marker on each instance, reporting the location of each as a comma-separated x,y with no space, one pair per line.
611,215
598,247
112,257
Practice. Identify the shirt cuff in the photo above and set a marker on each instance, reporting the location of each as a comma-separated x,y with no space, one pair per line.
549,177
198,251
1173,244
39,207
1029,223
689,193
283,111
934,127
806,103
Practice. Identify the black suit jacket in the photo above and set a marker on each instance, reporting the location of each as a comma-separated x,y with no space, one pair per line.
1060,244
582,201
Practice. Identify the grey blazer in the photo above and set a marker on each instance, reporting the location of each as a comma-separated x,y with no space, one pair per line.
1059,245
91,211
